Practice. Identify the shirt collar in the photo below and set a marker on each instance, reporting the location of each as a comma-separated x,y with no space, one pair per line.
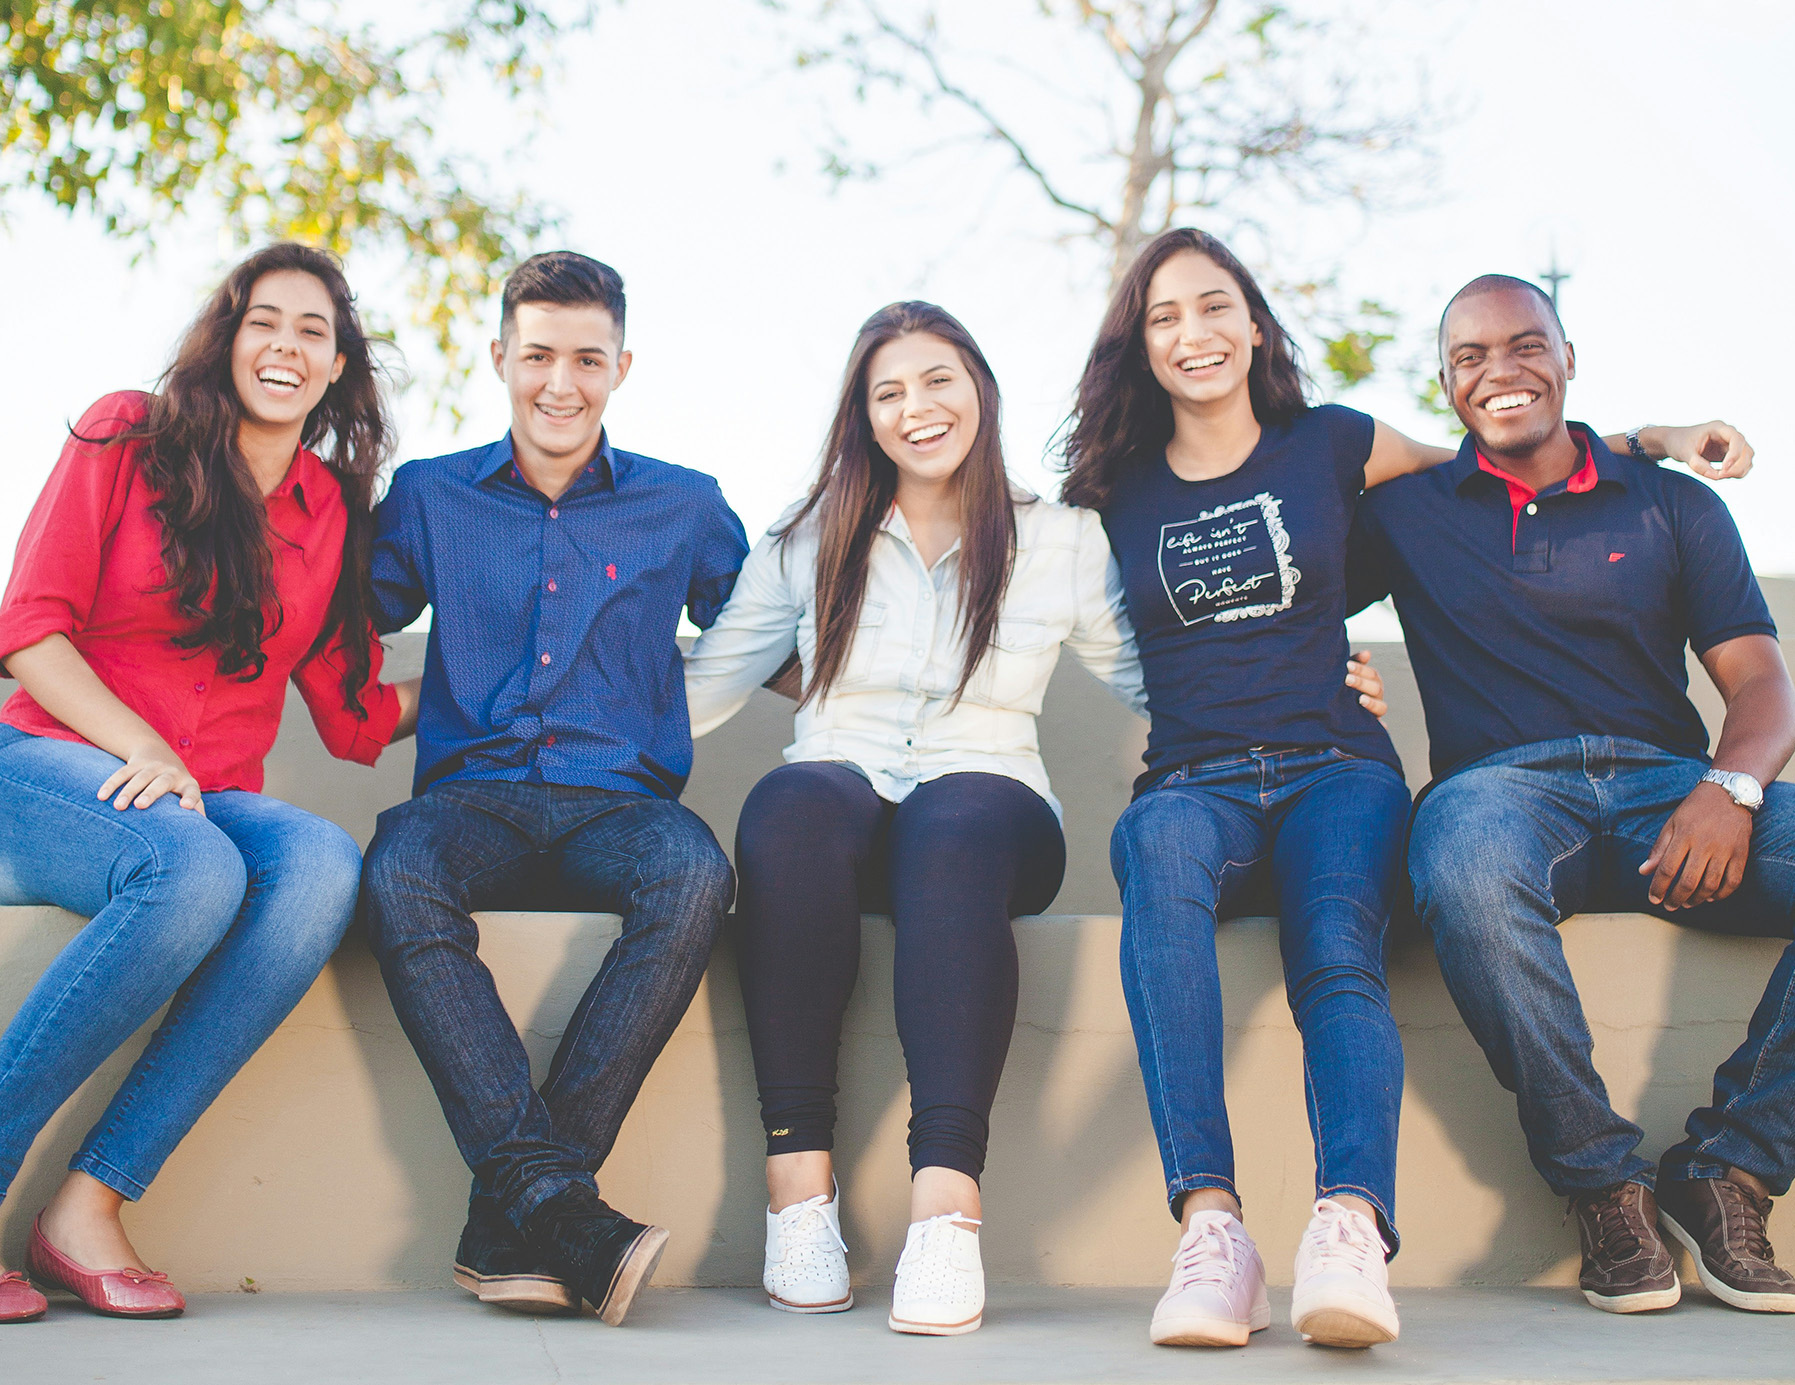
607,467
307,472
1599,464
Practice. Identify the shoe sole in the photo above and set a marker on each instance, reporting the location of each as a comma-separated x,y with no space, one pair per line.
1650,1302
934,1329
1342,1327
835,1305
635,1270
521,1293
1726,1293
1208,1332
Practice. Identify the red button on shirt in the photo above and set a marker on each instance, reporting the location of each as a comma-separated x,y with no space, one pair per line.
89,565
1520,494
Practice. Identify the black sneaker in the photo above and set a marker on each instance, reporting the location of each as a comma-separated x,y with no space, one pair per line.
1626,1265
603,1255
496,1265
1721,1224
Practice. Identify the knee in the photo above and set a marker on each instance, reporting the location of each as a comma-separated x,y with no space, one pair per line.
314,875
402,877
807,803
190,879
689,865
1162,835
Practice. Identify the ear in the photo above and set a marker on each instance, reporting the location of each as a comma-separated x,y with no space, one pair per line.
336,369
1570,361
624,360
498,357
1258,336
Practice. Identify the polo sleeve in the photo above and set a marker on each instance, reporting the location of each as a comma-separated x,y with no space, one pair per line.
1368,575
347,734
1352,434
400,589
720,546
1719,594
56,568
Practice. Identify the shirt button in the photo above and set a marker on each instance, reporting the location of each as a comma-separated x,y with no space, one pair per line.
554,512
547,659
199,687
1533,509
551,585
185,743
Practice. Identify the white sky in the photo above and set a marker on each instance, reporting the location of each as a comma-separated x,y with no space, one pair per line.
1655,139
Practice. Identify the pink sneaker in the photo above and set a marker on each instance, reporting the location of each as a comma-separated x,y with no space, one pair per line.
1342,1296
1217,1294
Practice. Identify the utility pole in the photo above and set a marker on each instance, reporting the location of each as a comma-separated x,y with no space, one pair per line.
1555,276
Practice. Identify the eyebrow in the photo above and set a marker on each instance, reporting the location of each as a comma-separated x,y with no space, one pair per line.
1172,302
1518,336
881,384
576,351
271,308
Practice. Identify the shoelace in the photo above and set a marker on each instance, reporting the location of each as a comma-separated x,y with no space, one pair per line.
1207,1258
806,1224
928,1251
1613,1229
1335,1234
1746,1213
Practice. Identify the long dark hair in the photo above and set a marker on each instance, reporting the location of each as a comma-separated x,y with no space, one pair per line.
857,485
215,539
1122,413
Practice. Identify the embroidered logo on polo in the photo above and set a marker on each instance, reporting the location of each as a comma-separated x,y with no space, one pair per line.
1229,563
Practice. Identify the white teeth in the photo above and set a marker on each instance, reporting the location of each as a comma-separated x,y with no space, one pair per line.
929,434
553,412
1504,402
1202,362
276,375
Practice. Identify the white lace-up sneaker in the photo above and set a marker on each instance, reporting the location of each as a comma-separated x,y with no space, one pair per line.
1342,1296
940,1288
1217,1294
807,1261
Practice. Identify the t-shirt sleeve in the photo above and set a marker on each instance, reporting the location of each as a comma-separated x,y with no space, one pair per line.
56,570
1352,434
721,546
1719,594
1368,559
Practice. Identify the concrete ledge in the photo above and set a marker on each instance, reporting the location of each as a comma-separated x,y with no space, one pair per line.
326,1164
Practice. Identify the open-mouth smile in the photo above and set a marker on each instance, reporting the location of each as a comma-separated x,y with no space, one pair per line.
916,437
279,380
1507,403
1192,364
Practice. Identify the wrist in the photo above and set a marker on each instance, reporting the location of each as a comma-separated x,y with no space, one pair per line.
1740,788
1654,442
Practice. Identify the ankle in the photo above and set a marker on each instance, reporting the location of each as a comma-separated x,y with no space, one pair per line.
940,1192
798,1177
1200,1200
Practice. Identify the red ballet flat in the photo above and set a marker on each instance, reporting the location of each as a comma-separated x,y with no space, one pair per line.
117,1293
19,1302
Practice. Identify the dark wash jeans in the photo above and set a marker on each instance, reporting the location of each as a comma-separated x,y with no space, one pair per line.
474,844
1325,831
1505,850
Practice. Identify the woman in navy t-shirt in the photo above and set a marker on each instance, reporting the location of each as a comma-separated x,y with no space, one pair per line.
1228,501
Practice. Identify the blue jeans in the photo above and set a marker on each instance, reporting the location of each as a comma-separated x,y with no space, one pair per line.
232,915
474,844
1505,850
1325,830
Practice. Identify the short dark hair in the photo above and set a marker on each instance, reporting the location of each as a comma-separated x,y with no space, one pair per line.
1498,283
562,276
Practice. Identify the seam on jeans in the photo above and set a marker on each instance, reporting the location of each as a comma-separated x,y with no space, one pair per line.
1191,1182
1757,1068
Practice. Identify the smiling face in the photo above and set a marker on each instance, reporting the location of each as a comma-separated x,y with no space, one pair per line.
560,363
1199,333
285,355
1505,365
924,406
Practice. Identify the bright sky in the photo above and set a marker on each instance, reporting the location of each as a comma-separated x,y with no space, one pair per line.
1653,139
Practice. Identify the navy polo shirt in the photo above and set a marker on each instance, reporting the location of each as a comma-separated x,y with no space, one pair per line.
1566,616
1236,589
552,654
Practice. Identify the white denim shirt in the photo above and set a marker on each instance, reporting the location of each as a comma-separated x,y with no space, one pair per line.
891,712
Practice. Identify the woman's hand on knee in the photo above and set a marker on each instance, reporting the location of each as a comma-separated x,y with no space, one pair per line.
146,775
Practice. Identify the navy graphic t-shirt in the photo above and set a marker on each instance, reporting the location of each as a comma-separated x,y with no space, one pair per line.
1237,590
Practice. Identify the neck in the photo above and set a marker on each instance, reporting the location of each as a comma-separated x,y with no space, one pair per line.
268,451
549,474
1556,457
1212,438
932,510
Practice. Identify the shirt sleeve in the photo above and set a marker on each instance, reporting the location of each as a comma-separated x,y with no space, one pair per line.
1719,594
346,735
56,569
1368,577
1353,434
748,641
400,591
1102,638
722,544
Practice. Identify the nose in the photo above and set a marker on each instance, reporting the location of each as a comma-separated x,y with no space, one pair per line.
560,377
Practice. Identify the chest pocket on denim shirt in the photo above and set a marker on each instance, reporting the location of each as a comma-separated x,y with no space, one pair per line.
862,661
1015,665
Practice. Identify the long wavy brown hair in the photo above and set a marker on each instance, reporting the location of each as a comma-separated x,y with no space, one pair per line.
215,537
857,485
1122,414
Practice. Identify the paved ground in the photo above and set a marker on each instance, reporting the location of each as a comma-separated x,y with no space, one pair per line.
1030,1336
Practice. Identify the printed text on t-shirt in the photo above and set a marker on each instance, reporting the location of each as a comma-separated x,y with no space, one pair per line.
1229,563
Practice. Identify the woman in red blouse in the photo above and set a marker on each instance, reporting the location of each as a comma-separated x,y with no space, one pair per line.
192,551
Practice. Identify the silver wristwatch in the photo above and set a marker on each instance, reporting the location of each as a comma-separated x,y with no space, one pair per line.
1741,788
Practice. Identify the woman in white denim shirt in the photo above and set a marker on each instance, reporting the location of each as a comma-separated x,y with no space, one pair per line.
914,783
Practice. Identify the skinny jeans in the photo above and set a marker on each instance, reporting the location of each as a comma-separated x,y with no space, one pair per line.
955,862
226,919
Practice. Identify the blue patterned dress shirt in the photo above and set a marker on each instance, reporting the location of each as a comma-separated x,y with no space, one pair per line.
552,654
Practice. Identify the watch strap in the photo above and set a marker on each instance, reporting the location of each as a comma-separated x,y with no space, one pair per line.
1634,446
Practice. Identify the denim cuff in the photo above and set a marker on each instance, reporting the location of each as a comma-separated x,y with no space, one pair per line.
1385,1227
116,1179
1190,1182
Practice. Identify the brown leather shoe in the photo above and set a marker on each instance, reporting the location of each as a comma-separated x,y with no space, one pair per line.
1626,1265
1721,1224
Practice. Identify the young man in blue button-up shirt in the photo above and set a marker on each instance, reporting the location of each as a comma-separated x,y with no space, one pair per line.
1572,773
553,743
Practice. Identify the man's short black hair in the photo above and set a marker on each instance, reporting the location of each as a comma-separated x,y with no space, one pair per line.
562,276
1497,283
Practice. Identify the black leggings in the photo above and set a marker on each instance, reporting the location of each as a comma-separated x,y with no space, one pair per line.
957,860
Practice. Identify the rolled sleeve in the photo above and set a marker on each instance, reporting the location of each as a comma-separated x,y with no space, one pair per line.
347,735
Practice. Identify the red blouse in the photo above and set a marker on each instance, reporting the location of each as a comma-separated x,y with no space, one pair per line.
88,566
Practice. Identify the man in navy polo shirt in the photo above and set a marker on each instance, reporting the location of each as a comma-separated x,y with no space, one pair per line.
553,743
1547,589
